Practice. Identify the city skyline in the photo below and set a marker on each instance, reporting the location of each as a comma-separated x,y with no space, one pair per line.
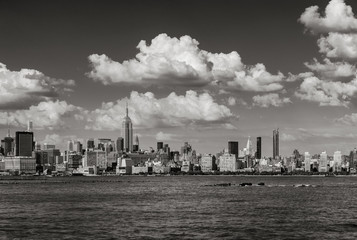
255,68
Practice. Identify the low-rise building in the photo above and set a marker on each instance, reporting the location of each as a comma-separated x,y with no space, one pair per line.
228,163
20,164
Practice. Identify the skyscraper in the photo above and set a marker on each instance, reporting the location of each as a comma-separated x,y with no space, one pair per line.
233,148
127,132
275,143
24,144
120,144
136,144
160,145
259,148
249,147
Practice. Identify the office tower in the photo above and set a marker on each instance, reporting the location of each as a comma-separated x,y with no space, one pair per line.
136,144
90,143
77,147
24,144
259,148
233,148
275,143
323,162
70,145
160,145
249,148
307,161
29,126
120,144
127,132
337,161
167,149
8,144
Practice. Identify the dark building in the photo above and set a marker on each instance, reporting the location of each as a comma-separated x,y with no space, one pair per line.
233,148
90,144
259,148
7,145
24,144
276,143
167,149
120,144
160,145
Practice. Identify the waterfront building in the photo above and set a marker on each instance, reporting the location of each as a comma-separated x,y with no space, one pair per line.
20,164
124,165
307,162
127,132
275,143
46,158
208,162
259,148
139,169
228,163
233,148
323,162
74,160
337,161
24,143
97,158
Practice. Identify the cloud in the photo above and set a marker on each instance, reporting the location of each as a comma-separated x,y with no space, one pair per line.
257,79
288,137
297,77
160,136
147,111
45,115
20,89
271,99
180,62
231,101
332,70
338,17
327,93
339,45
348,119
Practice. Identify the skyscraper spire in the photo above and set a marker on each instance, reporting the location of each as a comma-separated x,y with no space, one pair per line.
8,128
127,111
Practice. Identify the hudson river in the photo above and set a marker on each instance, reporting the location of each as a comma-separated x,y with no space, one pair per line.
179,207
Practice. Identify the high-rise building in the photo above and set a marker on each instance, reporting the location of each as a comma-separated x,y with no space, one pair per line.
8,144
120,144
70,146
160,145
323,162
307,162
90,144
249,148
136,144
233,148
259,148
29,126
275,143
337,161
127,132
24,144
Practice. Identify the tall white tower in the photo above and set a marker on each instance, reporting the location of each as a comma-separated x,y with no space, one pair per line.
127,132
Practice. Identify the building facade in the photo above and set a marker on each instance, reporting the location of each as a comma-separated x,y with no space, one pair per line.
275,143
127,132
228,163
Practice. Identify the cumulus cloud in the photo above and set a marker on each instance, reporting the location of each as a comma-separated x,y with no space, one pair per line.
271,99
161,136
332,70
348,119
339,45
288,137
180,62
147,111
338,17
327,93
45,115
231,101
20,89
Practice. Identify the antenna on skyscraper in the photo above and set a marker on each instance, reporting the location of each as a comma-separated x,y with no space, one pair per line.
8,127
127,112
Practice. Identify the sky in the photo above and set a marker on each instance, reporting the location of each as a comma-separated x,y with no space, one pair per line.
205,72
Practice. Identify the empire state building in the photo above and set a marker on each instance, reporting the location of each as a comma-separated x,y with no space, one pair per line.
127,132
